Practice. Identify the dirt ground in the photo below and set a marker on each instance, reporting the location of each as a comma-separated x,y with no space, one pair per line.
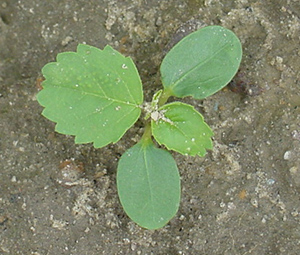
242,198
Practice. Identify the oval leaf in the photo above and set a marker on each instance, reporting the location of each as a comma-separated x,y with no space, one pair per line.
148,185
202,63
181,128
93,94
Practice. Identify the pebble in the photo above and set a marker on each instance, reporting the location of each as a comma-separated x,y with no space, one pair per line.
66,41
287,155
295,174
254,202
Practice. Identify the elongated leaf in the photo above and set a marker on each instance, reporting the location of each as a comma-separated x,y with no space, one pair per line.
181,128
92,94
148,185
201,63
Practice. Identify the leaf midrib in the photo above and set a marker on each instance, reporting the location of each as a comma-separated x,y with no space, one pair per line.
148,180
196,66
96,95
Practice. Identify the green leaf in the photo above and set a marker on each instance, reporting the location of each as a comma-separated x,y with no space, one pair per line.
181,128
202,63
93,94
148,185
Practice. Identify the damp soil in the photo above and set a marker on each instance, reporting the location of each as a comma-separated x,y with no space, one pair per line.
241,198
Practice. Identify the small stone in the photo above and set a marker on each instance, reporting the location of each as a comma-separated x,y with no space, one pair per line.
182,217
159,22
270,181
133,247
279,59
66,41
254,202
287,155
293,170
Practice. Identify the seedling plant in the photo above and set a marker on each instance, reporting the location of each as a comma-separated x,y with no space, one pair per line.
96,95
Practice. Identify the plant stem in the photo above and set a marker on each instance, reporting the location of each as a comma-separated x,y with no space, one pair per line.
146,138
164,97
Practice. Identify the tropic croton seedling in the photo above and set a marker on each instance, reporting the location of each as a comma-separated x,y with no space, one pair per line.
96,95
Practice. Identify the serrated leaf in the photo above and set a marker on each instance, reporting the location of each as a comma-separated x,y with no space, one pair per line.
202,63
92,94
181,128
148,185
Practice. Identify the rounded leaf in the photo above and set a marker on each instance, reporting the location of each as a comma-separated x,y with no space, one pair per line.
92,94
202,63
181,128
148,185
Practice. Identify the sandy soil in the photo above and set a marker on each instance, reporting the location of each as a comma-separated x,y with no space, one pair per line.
242,198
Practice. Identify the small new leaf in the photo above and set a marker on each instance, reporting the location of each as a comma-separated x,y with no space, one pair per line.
92,94
181,128
202,63
148,185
